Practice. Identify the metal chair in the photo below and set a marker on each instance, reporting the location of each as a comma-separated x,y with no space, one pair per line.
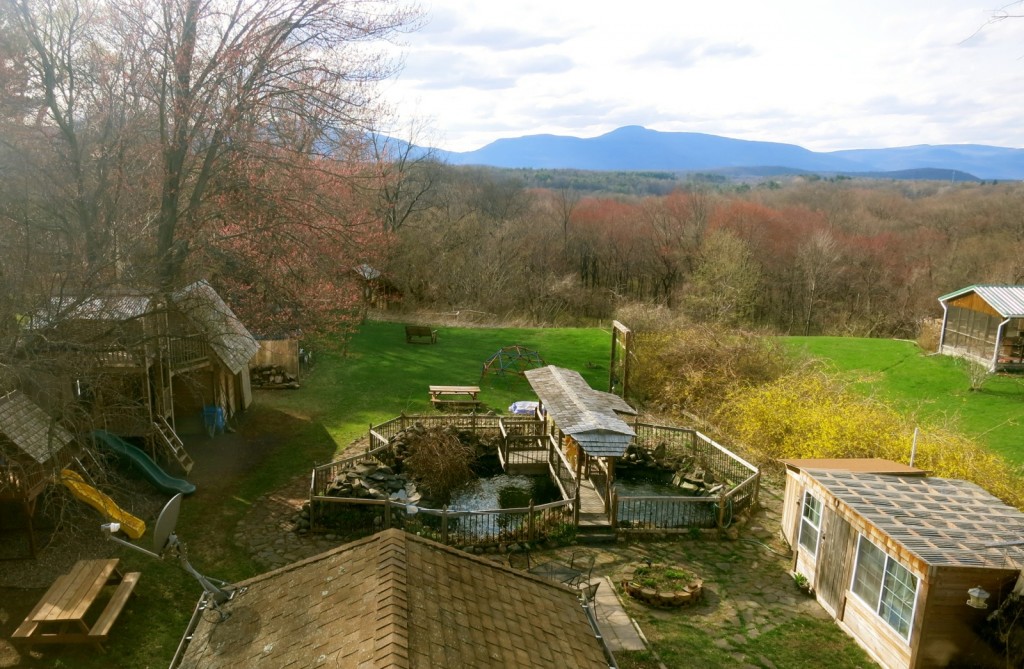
519,560
588,593
585,567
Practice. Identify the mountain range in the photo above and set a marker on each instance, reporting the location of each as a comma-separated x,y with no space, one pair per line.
634,148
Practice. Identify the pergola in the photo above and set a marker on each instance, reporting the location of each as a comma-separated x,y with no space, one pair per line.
985,323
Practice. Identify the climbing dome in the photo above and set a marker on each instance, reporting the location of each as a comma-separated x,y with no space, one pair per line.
514,359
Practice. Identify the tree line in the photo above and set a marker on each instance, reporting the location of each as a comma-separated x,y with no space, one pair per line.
807,256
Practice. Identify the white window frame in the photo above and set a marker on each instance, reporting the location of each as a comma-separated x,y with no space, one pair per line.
877,608
805,520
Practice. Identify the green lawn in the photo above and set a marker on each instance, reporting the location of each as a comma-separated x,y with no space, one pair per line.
933,387
382,376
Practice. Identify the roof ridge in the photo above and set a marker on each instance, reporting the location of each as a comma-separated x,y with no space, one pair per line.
391,641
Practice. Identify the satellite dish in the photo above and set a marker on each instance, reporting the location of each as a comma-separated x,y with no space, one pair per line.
165,523
165,541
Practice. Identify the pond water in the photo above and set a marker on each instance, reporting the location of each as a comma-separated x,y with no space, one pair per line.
504,491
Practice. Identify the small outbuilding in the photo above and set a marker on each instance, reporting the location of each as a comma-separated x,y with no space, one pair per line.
394,600
985,323
891,554
33,448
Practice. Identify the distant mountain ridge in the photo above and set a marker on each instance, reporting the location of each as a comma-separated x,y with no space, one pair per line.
634,148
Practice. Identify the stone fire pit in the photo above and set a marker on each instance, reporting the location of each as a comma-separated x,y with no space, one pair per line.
661,585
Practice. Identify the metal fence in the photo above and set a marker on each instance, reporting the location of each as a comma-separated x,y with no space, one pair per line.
455,528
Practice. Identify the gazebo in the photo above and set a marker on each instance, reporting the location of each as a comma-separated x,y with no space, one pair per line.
985,323
33,447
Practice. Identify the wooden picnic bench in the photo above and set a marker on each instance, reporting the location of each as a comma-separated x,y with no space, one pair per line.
455,396
420,332
60,615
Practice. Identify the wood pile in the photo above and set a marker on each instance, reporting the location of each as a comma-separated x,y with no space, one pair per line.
272,377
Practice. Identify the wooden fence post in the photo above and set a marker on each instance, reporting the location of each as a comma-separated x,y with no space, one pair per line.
530,529
387,513
613,513
444,524
721,509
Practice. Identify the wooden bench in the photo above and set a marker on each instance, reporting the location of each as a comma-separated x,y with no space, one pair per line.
420,332
457,397
101,628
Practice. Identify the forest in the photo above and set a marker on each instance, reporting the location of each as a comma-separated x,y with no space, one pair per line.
804,255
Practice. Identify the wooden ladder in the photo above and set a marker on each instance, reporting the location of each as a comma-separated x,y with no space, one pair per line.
170,439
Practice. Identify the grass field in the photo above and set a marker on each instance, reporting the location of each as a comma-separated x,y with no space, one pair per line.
935,388
381,376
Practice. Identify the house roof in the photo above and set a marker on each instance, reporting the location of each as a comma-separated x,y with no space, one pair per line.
589,416
868,465
1008,301
396,600
944,522
227,336
117,303
31,429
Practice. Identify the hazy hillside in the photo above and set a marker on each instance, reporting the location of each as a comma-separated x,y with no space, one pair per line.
637,148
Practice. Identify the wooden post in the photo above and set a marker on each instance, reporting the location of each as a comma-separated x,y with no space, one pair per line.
387,513
613,515
721,509
444,524
530,530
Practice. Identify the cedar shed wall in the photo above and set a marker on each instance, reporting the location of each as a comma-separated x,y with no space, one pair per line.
948,629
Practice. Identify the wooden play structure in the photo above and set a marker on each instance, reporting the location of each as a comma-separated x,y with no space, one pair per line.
33,448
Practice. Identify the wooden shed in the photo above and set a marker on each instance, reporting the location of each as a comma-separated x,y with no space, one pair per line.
985,323
33,448
222,377
891,556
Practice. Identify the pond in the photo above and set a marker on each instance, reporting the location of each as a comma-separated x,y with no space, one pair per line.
504,491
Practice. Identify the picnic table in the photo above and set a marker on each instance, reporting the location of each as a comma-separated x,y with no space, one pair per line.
60,616
457,396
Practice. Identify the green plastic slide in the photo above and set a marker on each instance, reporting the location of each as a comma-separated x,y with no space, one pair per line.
143,463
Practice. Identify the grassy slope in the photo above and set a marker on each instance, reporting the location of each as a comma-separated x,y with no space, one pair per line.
933,387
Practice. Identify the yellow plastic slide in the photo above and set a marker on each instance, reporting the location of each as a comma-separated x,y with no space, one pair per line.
130,525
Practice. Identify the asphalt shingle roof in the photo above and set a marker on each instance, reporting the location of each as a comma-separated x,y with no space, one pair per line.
589,416
395,600
941,521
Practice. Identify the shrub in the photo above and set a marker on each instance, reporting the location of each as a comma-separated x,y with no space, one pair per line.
807,414
693,369
440,462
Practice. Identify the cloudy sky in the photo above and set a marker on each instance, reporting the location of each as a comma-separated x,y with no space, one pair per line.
824,74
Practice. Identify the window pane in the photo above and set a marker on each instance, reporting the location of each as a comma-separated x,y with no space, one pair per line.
867,579
810,522
898,590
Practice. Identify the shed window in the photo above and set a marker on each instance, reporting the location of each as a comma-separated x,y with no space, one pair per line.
886,586
810,523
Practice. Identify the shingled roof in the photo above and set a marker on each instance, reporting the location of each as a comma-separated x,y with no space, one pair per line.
227,336
395,600
941,521
589,416
30,429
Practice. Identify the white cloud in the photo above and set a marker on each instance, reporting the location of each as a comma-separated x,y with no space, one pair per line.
820,74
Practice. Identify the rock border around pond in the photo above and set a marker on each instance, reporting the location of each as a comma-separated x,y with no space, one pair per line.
691,593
